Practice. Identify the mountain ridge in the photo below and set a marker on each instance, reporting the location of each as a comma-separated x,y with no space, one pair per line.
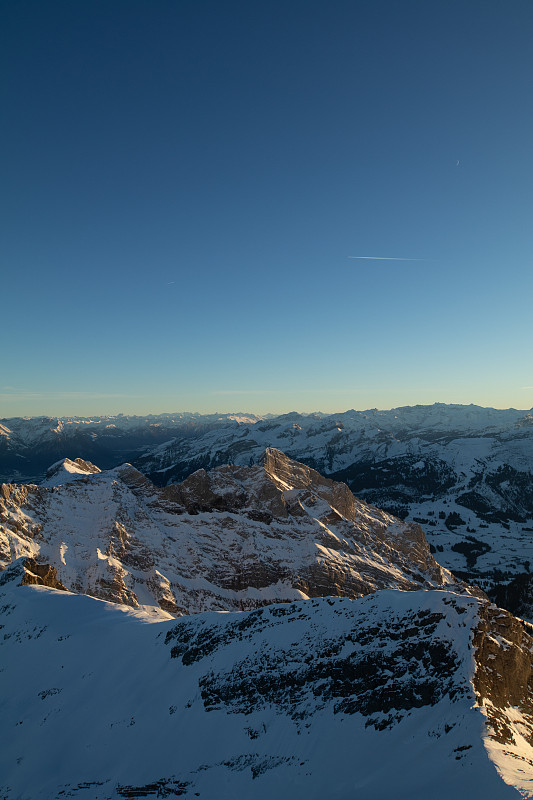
389,695
232,538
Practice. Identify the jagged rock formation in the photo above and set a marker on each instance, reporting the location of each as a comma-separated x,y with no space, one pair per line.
31,573
396,694
231,539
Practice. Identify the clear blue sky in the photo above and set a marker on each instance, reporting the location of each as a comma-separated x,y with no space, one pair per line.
184,183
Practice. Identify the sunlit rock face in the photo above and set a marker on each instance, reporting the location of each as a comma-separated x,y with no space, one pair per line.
503,647
29,572
233,538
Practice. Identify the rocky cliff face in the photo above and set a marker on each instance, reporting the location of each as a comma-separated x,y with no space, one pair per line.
28,572
230,539
503,682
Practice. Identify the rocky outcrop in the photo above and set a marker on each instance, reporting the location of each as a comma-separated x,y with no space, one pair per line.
28,572
503,679
41,575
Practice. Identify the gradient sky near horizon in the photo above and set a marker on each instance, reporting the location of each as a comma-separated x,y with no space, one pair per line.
222,205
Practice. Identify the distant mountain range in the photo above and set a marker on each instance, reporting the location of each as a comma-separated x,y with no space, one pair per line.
28,445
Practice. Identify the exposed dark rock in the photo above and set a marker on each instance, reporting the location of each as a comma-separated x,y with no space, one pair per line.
347,670
164,787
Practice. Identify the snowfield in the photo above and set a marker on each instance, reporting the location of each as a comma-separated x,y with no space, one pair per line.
331,697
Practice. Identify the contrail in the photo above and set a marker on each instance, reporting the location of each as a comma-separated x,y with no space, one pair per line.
385,258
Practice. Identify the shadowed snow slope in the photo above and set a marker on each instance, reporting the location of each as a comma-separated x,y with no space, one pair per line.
332,698
231,539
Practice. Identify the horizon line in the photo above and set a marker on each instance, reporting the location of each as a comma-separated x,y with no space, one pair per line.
267,413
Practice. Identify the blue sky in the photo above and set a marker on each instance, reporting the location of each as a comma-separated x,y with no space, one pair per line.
186,185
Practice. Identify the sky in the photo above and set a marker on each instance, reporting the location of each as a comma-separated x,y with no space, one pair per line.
223,205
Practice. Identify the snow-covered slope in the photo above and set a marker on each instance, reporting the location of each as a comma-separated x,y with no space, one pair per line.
231,539
378,698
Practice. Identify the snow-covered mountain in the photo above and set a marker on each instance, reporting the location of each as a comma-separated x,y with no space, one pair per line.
464,472
67,470
403,695
234,538
378,675
334,443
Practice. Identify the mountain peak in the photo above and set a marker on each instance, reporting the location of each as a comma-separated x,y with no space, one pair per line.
67,470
